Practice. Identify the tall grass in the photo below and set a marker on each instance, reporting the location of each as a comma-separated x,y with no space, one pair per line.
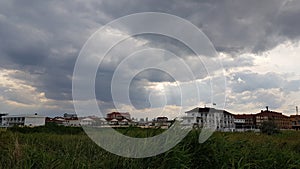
49,147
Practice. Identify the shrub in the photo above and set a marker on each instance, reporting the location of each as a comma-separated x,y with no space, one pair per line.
269,127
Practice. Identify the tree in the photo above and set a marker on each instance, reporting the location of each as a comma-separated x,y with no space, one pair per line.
269,127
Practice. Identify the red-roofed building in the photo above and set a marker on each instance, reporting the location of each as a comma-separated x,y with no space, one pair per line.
282,121
118,116
295,120
245,121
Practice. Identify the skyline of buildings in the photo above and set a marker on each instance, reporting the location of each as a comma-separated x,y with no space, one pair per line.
198,117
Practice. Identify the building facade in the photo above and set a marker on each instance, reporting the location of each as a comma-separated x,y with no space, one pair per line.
23,120
281,121
222,120
1,115
118,116
295,121
245,121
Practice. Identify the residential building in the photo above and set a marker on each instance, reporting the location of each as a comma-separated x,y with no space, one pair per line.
162,122
245,121
117,118
23,120
200,117
87,121
295,121
282,121
1,115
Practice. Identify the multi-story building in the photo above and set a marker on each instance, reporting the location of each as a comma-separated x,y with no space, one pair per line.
118,116
162,122
281,121
23,120
245,121
295,121
1,115
200,117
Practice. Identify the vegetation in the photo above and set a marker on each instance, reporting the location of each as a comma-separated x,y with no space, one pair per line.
60,147
269,127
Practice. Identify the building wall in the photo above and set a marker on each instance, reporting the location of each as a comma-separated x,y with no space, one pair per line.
118,116
34,121
282,121
210,117
295,121
245,121
23,120
11,121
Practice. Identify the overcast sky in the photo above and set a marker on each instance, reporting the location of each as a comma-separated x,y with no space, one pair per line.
257,43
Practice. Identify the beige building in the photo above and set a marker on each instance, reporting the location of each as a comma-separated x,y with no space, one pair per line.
23,120
222,120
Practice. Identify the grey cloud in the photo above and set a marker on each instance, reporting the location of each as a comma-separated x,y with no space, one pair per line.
43,39
251,81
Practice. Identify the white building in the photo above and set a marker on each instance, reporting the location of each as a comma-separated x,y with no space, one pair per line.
72,122
87,121
200,117
23,120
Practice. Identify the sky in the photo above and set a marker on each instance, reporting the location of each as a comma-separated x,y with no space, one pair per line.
257,43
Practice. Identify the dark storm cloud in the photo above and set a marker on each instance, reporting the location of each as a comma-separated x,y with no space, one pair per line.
233,26
43,38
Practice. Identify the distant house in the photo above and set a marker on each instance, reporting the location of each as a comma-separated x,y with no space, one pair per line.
113,122
124,122
56,120
117,118
295,121
1,115
163,122
200,117
282,121
245,121
73,121
162,119
23,120
87,121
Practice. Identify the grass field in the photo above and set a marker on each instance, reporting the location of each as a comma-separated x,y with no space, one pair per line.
63,147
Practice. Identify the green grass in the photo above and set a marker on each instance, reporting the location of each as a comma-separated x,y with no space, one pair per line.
61,147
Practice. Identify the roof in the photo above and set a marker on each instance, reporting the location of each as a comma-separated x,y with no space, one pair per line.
102,119
162,118
126,113
207,110
87,119
270,113
25,115
244,116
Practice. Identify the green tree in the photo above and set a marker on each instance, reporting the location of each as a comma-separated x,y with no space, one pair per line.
269,127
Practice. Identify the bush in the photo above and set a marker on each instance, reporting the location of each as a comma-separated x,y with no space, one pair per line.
269,127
